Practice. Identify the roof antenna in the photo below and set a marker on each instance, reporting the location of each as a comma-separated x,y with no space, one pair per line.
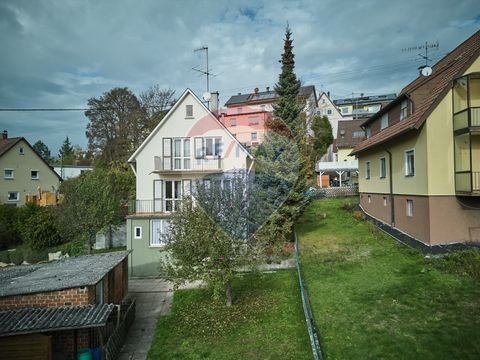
425,70
207,95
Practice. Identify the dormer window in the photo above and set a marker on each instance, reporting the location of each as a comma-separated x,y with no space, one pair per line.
403,110
189,111
384,121
368,132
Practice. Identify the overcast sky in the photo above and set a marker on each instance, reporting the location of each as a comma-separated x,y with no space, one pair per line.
59,53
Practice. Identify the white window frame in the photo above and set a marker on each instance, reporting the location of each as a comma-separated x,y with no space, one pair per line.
17,197
344,110
253,120
368,132
189,111
233,122
367,170
403,110
22,151
385,201
35,177
139,236
329,111
9,177
409,207
253,136
175,199
216,147
383,167
409,170
182,156
384,121
164,228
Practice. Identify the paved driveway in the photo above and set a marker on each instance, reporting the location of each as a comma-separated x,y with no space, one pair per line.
154,298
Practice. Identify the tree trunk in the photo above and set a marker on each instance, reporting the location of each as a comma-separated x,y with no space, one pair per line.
228,293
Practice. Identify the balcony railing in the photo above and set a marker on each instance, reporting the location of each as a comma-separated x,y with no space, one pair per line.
154,206
467,118
467,182
168,164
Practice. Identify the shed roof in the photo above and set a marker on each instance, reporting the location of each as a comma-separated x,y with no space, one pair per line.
57,275
426,92
36,320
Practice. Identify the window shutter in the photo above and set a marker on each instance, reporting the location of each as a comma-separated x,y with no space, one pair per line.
167,153
199,152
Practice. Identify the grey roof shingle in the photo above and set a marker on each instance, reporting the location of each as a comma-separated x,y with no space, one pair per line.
35,320
58,275
267,96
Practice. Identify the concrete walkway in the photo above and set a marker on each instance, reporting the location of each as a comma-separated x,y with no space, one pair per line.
154,298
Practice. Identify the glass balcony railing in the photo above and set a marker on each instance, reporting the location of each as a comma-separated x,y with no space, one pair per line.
467,118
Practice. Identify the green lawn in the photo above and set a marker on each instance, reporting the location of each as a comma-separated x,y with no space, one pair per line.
265,322
374,298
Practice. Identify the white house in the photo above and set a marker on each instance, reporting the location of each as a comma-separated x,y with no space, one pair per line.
189,144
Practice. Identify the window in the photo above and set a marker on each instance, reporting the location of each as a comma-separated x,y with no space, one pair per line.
384,201
253,120
160,230
8,173
167,153
384,121
344,110
409,207
22,151
409,163
137,232
173,195
181,153
369,199
213,147
368,132
254,136
35,174
233,122
367,170
383,167
358,134
188,111
99,292
13,196
199,148
239,110
329,112
403,109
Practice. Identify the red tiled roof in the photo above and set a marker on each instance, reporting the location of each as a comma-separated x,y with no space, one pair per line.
7,144
346,140
426,92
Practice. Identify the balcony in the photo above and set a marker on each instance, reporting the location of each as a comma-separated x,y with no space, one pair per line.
467,119
168,165
157,206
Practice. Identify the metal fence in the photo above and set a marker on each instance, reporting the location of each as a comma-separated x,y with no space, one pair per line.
312,331
337,191
116,340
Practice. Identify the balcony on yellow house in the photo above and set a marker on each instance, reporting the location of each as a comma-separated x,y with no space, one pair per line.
466,127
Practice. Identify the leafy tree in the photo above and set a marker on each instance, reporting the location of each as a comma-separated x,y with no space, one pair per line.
322,135
117,125
156,102
42,149
66,154
92,202
41,231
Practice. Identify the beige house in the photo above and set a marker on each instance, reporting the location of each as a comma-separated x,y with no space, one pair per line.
189,145
420,164
24,174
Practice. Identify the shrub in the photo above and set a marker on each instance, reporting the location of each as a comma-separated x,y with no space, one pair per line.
35,256
460,262
42,231
4,257
16,256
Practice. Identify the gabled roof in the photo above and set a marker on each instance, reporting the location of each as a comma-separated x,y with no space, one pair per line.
265,96
57,275
168,116
426,92
349,128
37,320
9,143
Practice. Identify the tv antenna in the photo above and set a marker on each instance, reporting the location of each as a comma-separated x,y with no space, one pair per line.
207,71
425,70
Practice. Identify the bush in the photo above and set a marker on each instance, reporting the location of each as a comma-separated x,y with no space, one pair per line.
4,257
460,262
35,256
16,256
42,231
8,238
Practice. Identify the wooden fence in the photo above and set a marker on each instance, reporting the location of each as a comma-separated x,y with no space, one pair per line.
117,338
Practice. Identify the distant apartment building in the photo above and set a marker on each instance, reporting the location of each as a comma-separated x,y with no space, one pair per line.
363,107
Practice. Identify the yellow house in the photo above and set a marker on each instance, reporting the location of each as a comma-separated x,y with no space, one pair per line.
420,164
25,176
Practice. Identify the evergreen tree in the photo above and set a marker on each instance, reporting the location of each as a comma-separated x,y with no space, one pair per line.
42,149
66,155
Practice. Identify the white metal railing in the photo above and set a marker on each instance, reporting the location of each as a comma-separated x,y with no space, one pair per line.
187,164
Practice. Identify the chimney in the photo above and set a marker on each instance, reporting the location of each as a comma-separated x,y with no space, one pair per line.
268,88
4,135
328,94
214,102
256,90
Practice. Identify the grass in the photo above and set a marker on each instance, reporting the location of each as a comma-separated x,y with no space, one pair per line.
266,321
374,298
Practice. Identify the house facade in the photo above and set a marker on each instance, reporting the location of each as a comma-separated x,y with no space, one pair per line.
189,145
44,318
245,115
420,164
363,107
326,107
25,176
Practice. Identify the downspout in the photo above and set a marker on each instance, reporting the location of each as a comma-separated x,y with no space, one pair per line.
392,199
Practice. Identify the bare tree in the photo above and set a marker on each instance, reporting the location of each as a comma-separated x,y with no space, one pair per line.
156,102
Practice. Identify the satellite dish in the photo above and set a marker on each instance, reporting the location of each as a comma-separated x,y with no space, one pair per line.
207,96
426,71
